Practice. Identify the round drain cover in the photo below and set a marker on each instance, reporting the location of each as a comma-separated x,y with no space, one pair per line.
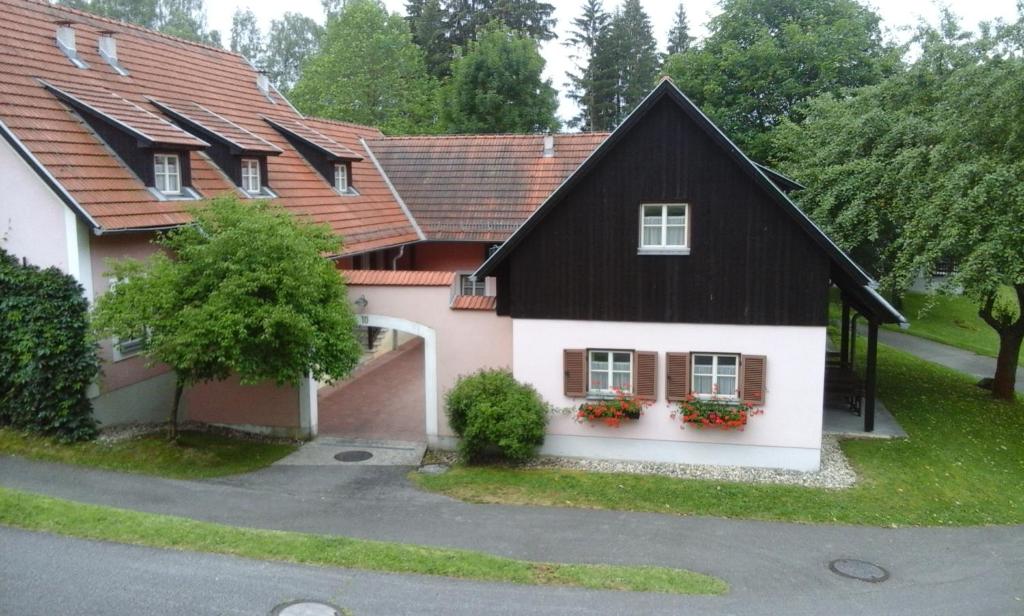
859,570
353,455
305,608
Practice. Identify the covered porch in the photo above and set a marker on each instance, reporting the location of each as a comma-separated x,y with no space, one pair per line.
851,405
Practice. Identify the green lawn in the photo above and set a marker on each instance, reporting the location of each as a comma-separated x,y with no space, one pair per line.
952,320
194,456
42,513
962,465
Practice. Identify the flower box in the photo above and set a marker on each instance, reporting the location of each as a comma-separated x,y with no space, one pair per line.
613,411
715,413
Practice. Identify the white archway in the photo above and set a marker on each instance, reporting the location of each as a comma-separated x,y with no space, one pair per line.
308,391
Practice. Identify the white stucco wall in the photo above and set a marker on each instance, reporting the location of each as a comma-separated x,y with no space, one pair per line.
787,435
32,221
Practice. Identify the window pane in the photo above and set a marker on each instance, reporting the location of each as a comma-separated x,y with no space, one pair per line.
676,214
599,381
620,380
623,361
652,211
599,360
726,365
701,384
652,236
676,236
726,385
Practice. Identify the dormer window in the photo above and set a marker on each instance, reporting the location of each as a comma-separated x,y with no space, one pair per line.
664,228
251,182
341,177
167,174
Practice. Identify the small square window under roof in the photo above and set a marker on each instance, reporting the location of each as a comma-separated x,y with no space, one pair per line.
150,129
241,141
330,148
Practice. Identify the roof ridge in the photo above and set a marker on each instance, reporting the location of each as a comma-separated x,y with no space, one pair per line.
492,135
131,26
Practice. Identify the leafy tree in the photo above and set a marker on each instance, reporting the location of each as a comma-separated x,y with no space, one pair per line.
243,290
589,86
246,37
926,166
292,40
182,18
632,42
764,57
679,38
497,86
369,71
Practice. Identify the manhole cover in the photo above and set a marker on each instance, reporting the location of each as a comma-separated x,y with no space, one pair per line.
859,570
305,608
353,456
434,469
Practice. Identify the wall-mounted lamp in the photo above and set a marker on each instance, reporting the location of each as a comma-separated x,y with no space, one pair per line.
361,303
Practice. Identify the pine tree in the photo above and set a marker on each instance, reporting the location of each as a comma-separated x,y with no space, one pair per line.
462,19
584,84
246,38
632,42
427,23
679,39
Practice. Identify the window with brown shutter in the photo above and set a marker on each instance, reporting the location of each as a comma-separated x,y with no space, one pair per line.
574,366
645,375
677,376
752,380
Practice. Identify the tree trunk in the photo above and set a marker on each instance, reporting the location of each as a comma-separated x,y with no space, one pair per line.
172,424
1005,380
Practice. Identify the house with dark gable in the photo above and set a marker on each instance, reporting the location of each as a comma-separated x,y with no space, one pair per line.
657,260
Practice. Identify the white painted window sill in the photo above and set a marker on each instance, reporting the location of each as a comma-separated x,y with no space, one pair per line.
663,251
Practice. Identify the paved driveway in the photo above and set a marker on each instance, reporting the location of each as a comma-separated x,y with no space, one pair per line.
383,400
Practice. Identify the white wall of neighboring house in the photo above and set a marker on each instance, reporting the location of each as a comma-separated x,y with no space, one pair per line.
787,435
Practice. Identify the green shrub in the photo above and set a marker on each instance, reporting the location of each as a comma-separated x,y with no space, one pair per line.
495,416
47,358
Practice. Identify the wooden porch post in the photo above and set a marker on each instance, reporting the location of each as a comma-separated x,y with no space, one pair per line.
844,336
871,376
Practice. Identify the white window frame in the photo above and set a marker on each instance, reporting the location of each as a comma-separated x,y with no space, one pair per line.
119,351
341,180
714,376
168,188
610,371
478,285
251,169
663,247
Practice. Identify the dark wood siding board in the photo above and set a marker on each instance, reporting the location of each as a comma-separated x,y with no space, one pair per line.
750,263
315,157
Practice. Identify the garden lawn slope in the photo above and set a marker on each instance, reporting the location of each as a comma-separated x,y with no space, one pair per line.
963,464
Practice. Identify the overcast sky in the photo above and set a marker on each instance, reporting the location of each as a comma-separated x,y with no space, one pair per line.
897,15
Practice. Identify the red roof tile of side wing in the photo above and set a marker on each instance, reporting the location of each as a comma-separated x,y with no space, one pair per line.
478,187
398,278
474,302
168,69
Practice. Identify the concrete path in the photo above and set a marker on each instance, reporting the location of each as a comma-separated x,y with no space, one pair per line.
381,401
772,567
968,362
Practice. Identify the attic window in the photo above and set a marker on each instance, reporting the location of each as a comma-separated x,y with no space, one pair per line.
341,177
664,228
251,182
167,173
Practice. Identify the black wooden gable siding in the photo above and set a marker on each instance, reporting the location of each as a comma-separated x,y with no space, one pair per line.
750,263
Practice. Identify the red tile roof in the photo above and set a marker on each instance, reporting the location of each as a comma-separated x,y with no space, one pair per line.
478,187
474,302
398,278
313,138
224,128
169,69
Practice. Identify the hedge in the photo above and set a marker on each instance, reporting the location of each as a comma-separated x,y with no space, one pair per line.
47,357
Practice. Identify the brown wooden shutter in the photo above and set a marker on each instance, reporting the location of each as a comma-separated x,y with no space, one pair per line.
574,366
677,376
645,375
752,381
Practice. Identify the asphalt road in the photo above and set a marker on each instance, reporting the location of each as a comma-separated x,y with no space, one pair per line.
771,567
46,575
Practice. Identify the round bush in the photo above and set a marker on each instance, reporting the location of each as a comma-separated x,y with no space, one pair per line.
47,359
496,417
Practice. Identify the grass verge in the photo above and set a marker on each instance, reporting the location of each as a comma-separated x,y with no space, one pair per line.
42,513
194,456
962,465
952,320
